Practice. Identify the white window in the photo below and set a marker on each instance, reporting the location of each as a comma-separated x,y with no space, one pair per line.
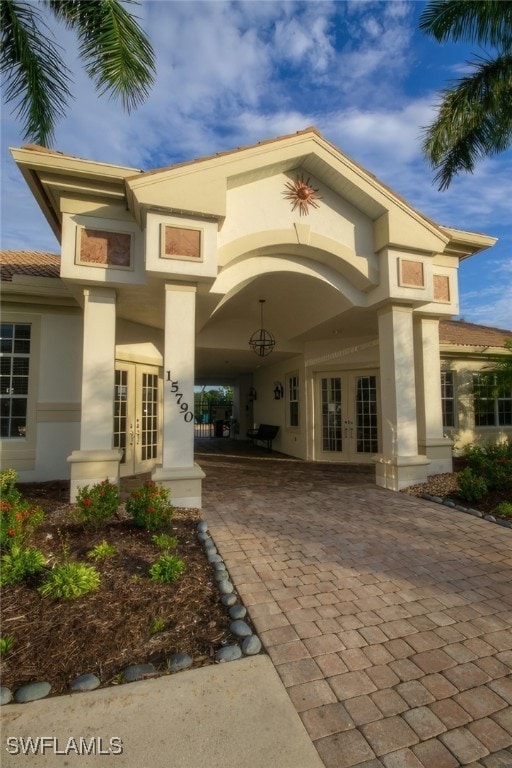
14,378
493,401
448,398
293,400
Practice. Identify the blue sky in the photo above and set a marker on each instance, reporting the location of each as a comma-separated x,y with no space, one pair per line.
231,74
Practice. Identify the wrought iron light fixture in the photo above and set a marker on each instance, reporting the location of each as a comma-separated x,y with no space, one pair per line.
262,342
278,390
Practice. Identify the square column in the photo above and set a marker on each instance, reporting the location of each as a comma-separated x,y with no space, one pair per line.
431,440
97,459
178,472
400,464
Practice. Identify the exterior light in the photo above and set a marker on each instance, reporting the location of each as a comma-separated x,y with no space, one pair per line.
262,342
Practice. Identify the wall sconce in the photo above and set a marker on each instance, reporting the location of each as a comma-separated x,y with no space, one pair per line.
278,390
252,395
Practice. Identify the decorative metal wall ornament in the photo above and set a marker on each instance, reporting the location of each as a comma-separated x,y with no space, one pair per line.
262,342
302,194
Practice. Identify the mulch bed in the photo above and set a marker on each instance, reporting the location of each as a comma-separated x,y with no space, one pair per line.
106,630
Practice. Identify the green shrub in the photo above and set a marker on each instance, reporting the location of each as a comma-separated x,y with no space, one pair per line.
19,563
167,568
165,542
102,551
97,504
70,581
150,507
471,487
6,645
493,462
504,509
18,518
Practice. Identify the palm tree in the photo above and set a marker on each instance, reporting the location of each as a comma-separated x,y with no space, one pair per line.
116,54
475,115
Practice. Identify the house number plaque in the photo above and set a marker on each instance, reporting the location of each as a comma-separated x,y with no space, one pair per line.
188,415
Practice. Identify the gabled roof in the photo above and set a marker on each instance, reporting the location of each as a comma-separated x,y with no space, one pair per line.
33,263
199,187
459,333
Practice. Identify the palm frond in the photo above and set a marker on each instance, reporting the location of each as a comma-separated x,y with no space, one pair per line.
117,55
36,78
487,22
474,120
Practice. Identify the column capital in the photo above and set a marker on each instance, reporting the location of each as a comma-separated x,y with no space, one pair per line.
385,309
183,287
93,292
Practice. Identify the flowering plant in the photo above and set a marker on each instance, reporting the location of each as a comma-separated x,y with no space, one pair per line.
18,518
150,507
95,505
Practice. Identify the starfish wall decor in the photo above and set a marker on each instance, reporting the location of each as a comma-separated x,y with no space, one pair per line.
302,194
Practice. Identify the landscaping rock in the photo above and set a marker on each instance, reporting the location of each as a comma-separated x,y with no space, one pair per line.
228,653
204,537
474,512
87,682
210,547
237,612
226,587
5,695
251,645
491,518
504,523
179,661
460,508
221,576
138,672
219,566
229,599
32,692
240,628
448,503
214,557
202,527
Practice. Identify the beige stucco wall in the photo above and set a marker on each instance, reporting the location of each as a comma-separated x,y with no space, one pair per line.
53,419
465,432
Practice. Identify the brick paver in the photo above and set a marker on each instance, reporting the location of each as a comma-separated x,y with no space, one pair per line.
388,618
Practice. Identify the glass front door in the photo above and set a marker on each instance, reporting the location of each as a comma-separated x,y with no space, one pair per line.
137,428
347,415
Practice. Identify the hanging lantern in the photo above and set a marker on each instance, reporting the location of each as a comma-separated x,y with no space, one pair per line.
262,342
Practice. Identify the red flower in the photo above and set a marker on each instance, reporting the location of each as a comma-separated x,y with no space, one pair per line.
151,509
11,532
87,502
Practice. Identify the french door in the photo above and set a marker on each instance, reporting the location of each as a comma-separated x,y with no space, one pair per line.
347,417
137,417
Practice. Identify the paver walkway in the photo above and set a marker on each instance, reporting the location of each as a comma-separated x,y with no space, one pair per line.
388,618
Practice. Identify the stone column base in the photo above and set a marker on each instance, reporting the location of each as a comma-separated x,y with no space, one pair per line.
184,484
397,472
439,451
91,467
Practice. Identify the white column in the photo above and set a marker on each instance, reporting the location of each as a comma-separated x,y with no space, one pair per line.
178,471
97,460
400,464
431,440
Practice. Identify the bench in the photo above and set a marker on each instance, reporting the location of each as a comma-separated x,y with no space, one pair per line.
265,433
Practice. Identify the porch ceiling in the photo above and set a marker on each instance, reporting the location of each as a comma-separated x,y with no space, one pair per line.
297,309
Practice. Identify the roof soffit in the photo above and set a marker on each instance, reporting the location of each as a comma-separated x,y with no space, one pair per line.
52,176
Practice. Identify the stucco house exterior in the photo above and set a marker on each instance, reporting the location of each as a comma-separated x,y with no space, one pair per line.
164,277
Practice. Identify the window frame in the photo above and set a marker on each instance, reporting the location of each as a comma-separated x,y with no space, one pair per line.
20,452
449,398
293,400
493,399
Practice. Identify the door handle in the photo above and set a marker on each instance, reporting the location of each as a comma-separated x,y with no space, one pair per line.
138,432
131,434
